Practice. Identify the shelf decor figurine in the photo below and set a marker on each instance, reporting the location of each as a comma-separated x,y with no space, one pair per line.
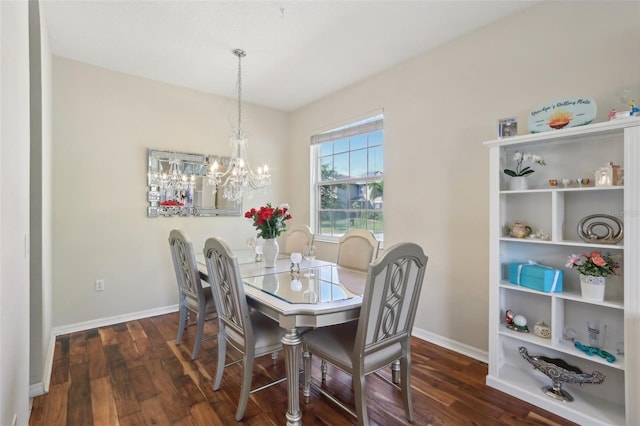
587,229
559,371
516,322
541,329
519,182
594,269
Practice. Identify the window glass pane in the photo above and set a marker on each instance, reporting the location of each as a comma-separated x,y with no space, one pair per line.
327,172
375,224
376,161
341,165
326,148
339,218
375,138
341,145
332,196
324,223
375,192
358,163
358,142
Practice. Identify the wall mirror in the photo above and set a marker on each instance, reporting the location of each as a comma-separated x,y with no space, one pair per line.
178,186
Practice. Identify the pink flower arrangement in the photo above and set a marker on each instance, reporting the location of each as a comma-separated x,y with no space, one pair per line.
594,264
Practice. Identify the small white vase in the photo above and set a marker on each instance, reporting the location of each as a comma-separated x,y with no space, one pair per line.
518,183
270,250
592,288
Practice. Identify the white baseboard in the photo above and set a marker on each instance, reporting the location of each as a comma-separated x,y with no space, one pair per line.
102,322
470,351
37,389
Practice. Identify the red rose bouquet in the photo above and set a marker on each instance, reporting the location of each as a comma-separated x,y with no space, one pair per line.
269,221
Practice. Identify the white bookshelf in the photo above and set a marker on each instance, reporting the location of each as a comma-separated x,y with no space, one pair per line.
569,153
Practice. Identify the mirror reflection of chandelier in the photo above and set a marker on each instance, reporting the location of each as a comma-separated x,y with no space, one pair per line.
177,178
238,179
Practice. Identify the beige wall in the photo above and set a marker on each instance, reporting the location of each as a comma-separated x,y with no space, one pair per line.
440,107
103,124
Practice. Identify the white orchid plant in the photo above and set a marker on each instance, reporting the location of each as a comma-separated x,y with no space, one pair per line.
519,158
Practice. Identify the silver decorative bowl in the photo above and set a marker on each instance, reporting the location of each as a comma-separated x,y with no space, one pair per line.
559,371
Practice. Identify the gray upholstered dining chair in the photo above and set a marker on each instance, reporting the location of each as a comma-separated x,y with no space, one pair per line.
248,331
297,236
382,333
194,298
357,248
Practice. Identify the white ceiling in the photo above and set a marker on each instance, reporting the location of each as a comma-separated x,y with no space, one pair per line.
297,51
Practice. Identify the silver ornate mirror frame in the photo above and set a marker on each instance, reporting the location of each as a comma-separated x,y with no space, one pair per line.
189,192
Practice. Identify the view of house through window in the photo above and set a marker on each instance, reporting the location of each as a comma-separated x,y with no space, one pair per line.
348,178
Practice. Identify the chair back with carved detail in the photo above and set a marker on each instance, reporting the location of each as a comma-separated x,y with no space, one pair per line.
390,300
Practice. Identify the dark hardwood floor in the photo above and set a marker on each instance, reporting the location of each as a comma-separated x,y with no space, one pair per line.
134,374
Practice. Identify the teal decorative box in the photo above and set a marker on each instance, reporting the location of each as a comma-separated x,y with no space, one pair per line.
535,276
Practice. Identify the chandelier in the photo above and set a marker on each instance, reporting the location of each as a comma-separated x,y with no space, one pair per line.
177,178
237,178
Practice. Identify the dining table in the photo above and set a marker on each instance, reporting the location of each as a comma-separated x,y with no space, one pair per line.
298,296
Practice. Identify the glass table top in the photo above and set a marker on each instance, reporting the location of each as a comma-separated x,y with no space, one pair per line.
326,283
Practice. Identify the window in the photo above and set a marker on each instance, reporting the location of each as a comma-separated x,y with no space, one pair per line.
348,179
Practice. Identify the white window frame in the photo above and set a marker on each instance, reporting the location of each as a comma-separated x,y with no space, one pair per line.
363,126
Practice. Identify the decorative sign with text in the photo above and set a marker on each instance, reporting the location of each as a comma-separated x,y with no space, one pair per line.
563,113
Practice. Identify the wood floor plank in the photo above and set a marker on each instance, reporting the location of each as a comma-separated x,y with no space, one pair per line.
142,378
173,405
203,414
55,406
151,331
136,330
141,383
79,410
133,419
127,347
78,348
103,403
96,358
125,399
153,412
60,371
108,336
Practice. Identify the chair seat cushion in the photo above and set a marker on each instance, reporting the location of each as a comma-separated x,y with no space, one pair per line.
335,344
266,332
209,303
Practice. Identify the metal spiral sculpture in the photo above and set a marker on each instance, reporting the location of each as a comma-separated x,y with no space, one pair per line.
559,371
586,230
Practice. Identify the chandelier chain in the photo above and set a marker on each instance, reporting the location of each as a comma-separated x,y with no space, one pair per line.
240,54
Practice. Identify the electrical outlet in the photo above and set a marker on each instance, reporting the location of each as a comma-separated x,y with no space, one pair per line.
99,285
